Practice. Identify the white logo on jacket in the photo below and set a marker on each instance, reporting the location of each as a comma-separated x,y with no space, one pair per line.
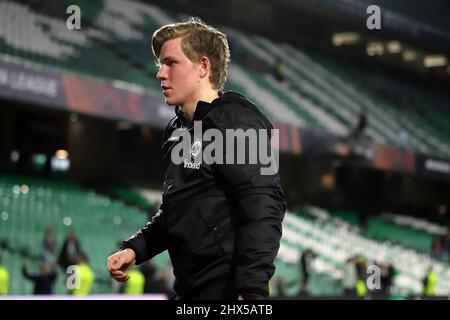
229,146
191,165
196,148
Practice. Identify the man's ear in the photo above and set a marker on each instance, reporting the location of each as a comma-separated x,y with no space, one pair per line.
205,66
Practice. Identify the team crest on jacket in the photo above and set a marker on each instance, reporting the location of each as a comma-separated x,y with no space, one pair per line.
196,148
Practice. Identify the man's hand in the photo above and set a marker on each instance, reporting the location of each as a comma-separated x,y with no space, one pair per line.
120,262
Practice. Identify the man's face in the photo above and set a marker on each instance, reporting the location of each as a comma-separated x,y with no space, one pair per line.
179,76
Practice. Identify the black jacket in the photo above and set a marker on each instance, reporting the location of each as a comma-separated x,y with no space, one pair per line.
43,284
221,223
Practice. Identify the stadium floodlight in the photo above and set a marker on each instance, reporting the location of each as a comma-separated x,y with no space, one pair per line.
60,162
67,221
345,38
24,189
394,46
62,154
409,55
375,48
434,61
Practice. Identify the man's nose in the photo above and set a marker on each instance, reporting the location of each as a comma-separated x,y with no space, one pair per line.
162,73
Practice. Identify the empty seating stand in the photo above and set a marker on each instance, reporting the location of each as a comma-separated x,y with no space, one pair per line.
28,206
319,92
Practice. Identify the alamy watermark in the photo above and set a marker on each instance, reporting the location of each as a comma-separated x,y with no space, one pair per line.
73,277
374,20
229,146
373,281
73,22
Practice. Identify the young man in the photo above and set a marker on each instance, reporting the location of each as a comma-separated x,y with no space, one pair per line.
221,221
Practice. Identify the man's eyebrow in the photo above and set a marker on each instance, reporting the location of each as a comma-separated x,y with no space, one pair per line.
167,58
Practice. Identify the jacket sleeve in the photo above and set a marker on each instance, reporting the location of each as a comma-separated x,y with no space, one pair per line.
149,240
28,275
261,210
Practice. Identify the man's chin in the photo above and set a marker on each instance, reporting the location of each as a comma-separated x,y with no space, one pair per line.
170,102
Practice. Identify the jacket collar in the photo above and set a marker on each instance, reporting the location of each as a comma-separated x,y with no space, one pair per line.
203,107
201,110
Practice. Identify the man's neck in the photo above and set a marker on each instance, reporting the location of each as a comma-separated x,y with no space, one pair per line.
188,109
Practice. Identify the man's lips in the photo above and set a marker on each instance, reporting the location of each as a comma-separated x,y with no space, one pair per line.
165,89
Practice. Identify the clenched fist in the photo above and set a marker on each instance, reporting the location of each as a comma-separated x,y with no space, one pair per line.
120,262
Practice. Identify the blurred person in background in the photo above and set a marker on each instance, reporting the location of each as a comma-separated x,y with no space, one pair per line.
306,262
44,280
280,288
388,274
361,125
148,269
168,279
278,70
437,247
153,282
4,279
49,245
441,247
361,280
349,277
221,223
69,252
135,284
429,283
86,276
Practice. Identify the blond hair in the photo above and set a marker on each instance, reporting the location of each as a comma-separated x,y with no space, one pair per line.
199,39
